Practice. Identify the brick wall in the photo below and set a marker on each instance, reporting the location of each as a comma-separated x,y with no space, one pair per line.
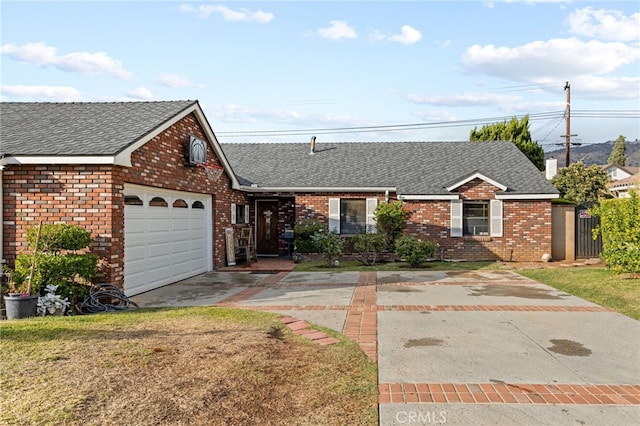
91,195
526,227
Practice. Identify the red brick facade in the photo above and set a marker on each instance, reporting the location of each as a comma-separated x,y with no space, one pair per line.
92,195
526,223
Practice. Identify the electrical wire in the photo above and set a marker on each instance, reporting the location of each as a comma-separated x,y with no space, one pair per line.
548,115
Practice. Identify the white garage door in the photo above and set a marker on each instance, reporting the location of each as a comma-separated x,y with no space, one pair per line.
167,237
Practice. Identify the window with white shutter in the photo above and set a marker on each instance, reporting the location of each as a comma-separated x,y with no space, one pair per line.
372,203
334,214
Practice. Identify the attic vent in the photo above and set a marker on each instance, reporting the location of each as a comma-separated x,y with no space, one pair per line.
313,145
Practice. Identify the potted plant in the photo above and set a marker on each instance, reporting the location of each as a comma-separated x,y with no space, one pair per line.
19,302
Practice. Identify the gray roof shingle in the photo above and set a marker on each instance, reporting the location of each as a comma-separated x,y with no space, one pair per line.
80,129
414,168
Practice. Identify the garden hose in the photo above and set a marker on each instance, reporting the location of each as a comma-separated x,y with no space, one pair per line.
105,298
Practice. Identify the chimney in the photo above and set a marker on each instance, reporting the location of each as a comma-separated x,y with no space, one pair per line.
551,168
313,145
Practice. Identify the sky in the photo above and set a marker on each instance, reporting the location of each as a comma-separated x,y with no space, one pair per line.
277,71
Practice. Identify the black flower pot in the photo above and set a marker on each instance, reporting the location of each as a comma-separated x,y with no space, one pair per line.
21,306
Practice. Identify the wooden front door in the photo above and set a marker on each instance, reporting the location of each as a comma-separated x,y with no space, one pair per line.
267,238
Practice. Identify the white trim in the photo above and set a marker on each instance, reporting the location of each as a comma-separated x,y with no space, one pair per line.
526,196
25,159
429,197
311,189
234,219
476,176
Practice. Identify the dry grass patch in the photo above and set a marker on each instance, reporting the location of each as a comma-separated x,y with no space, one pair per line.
194,366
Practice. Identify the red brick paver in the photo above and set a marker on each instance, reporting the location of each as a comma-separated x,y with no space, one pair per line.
482,393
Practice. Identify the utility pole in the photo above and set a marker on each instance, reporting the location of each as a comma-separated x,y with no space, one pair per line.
567,135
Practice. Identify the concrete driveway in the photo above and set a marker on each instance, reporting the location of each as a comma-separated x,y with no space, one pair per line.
460,348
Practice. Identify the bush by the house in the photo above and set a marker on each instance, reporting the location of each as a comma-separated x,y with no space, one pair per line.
304,230
369,246
329,244
391,219
60,260
620,228
415,251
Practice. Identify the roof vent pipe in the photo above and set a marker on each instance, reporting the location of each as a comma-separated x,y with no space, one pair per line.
313,145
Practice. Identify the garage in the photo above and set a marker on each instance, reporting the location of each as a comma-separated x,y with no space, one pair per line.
167,237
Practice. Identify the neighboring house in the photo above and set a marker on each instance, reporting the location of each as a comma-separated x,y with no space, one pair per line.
616,172
620,188
124,171
121,170
478,200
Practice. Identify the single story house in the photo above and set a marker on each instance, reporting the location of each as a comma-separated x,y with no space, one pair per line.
132,174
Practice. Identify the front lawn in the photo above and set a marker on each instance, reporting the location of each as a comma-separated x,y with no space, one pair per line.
620,293
196,366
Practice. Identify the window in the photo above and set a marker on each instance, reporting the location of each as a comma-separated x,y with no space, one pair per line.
132,200
475,218
197,205
352,215
158,202
180,204
240,214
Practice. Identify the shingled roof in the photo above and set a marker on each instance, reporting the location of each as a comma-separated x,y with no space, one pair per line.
80,128
411,168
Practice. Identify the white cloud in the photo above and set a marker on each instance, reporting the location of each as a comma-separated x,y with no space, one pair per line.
408,35
140,93
538,60
82,62
239,15
337,30
437,116
176,81
605,24
43,93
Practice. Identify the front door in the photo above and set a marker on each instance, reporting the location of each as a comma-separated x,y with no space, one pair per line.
267,238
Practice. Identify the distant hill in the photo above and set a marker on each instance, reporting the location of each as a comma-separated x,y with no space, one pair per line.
597,153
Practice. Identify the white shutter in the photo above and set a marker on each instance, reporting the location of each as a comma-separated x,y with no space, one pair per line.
372,203
334,214
495,212
233,213
456,218
246,214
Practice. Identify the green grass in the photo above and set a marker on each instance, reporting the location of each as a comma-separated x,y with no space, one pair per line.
595,284
354,265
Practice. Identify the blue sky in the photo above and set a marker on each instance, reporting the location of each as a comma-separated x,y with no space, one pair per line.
380,71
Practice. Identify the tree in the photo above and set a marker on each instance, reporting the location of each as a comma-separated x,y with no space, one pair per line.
617,156
514,131
582,184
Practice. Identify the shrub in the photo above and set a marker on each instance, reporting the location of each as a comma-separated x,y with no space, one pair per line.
329,244
369,246
391,219
415,251
304,230
620,228
58,262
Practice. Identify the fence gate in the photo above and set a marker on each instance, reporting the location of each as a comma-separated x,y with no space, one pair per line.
586,246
